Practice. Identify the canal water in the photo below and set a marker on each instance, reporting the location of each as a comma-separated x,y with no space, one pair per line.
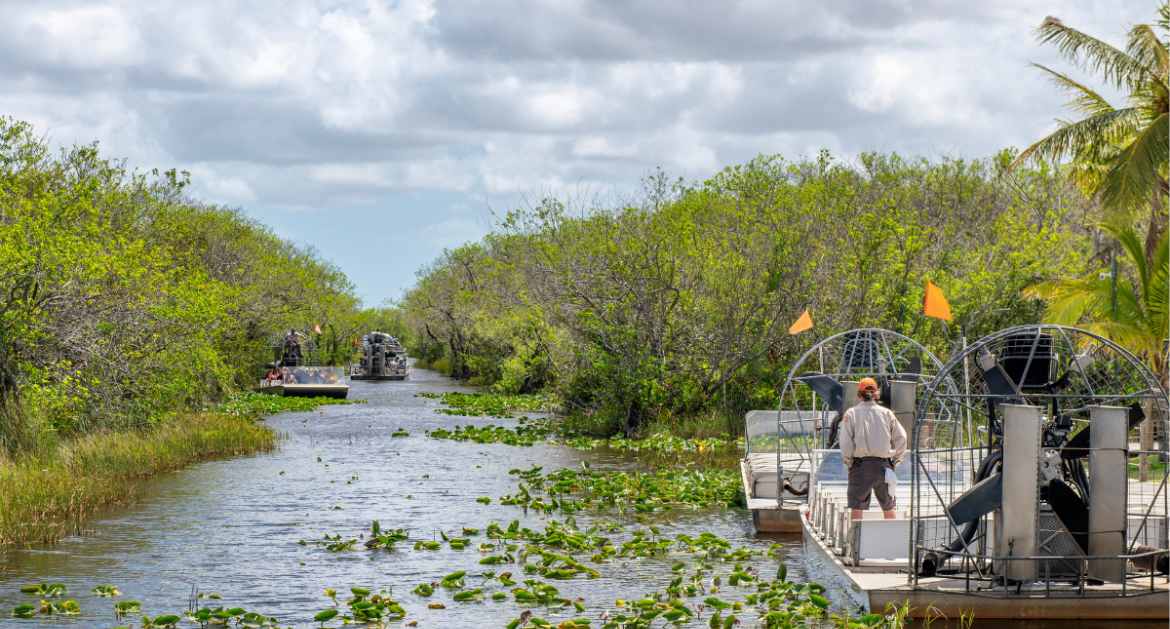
235,527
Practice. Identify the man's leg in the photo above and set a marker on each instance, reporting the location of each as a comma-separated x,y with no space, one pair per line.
884,498
858,491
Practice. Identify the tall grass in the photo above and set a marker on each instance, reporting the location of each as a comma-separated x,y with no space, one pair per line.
46,496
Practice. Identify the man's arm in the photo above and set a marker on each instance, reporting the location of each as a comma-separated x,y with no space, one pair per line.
845,438
898,438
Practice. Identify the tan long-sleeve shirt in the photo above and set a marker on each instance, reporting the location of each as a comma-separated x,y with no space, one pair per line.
869,429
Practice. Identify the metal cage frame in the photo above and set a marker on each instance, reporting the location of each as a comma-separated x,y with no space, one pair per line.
848,355
950,445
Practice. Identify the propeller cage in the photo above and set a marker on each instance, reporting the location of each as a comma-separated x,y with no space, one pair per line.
1028,477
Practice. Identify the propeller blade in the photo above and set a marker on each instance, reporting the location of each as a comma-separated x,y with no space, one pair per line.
1078,446
998,382
982,498
1071,509
828,388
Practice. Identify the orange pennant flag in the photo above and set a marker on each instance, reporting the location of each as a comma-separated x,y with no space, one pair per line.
935,304
801,324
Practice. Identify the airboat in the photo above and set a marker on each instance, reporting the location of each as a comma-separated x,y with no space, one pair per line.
293,373
783,446
383,358
1029,493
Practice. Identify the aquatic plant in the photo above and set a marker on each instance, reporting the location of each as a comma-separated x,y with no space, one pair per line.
569,490
122,608
384,539
490,404
526,433
657,443
221,616
48,590
254,405
106,590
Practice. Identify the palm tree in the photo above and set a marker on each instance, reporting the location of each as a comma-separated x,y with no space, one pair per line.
1121,153
1131,311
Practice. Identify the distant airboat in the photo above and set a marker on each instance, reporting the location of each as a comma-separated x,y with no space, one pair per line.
383,358
292,372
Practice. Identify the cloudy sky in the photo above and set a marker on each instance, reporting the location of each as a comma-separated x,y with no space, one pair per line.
382,132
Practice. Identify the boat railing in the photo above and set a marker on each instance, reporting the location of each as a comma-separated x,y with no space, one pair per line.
306,375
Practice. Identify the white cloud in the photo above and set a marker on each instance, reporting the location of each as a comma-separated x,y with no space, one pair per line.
315,105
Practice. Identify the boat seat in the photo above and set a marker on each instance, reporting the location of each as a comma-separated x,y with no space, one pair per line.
764,479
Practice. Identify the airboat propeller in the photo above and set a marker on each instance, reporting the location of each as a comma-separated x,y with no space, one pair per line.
1047,411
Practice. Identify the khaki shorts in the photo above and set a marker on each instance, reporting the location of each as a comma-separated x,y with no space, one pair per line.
867,476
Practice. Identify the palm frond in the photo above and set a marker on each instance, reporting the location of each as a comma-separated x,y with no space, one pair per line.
1136,172
1115,66
1075,136
1084,98
1148,50
1069,302
1158,285
1133,337
1129,240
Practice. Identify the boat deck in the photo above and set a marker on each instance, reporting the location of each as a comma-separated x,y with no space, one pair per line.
873,555
877,586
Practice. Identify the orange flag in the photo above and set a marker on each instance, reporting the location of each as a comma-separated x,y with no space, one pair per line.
935,304
801,324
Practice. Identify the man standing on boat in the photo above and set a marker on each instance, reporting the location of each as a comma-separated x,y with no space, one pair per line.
872,441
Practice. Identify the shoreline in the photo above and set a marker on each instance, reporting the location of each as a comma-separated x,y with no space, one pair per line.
46,497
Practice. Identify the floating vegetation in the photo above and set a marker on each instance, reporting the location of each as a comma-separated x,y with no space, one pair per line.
253,405
400,433
333,543
48,590
47,606
714,583
222,616
384,539
658,443
527,432
569,490
490,404
106,590
122,608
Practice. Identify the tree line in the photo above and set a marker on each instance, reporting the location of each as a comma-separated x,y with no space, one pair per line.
123,302
678,305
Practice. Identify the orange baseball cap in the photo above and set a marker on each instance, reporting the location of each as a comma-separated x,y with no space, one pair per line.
867,384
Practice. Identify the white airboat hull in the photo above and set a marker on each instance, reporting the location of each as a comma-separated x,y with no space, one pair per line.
768,514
